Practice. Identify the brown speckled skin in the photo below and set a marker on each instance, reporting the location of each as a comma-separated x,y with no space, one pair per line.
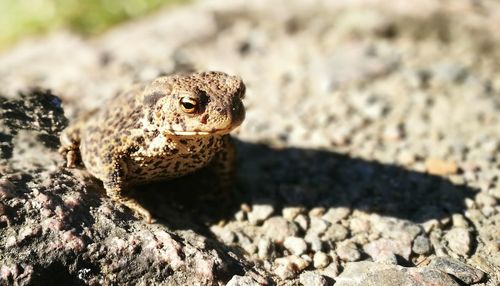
145,134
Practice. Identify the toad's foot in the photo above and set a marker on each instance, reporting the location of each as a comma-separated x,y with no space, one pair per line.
70,144
70,154
139,211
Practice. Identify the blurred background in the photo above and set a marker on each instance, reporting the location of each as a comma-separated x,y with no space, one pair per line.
21,18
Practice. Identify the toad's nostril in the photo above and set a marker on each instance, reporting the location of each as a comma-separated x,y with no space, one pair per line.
204,118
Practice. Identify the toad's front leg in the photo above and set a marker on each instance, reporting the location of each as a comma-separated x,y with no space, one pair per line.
114,184
223,165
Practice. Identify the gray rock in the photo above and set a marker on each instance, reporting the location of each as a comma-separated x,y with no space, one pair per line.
449,72
387,258
310,278
421,245
485,200
366,273
291,212
348,252
336,232
296,245
302,221
242,281
459,240
359,225
400,230
320,260
290,266
265,248
385,249
332,270
278,229
225,235
462,271
317,225
315,242
246,242
286,271
240,215
459,221
334,215
259,213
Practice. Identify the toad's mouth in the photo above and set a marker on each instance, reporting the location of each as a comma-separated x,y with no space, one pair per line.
191,133
201,133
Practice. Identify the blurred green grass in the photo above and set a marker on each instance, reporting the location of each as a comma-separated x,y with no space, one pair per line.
21,18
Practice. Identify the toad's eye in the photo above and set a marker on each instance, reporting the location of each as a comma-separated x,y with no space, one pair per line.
189,104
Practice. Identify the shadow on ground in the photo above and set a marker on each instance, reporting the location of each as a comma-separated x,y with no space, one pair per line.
310,178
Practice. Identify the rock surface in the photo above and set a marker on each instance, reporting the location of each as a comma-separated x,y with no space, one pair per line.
371,135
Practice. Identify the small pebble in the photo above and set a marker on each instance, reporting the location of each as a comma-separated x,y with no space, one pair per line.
260,213
315,242
394,132
332,270
485,200
458,220
421,245
225,235
334,215
302,221
440,167
317,225
278,228
459,241
348,252
246,242
289,266
336,232
237,280
291,212
240,215
265,248
10,241
7,188
405,157
359,225
383,249
320,260
296,245
310,278
462,271
285,271
317,211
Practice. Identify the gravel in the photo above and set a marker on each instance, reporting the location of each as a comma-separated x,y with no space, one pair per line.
336,232
459,241
296,245
421,245
320,260
259,213
462,271
348,251
383,248
370,273
312,279
278,229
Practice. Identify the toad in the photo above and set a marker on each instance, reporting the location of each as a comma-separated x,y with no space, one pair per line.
160,130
